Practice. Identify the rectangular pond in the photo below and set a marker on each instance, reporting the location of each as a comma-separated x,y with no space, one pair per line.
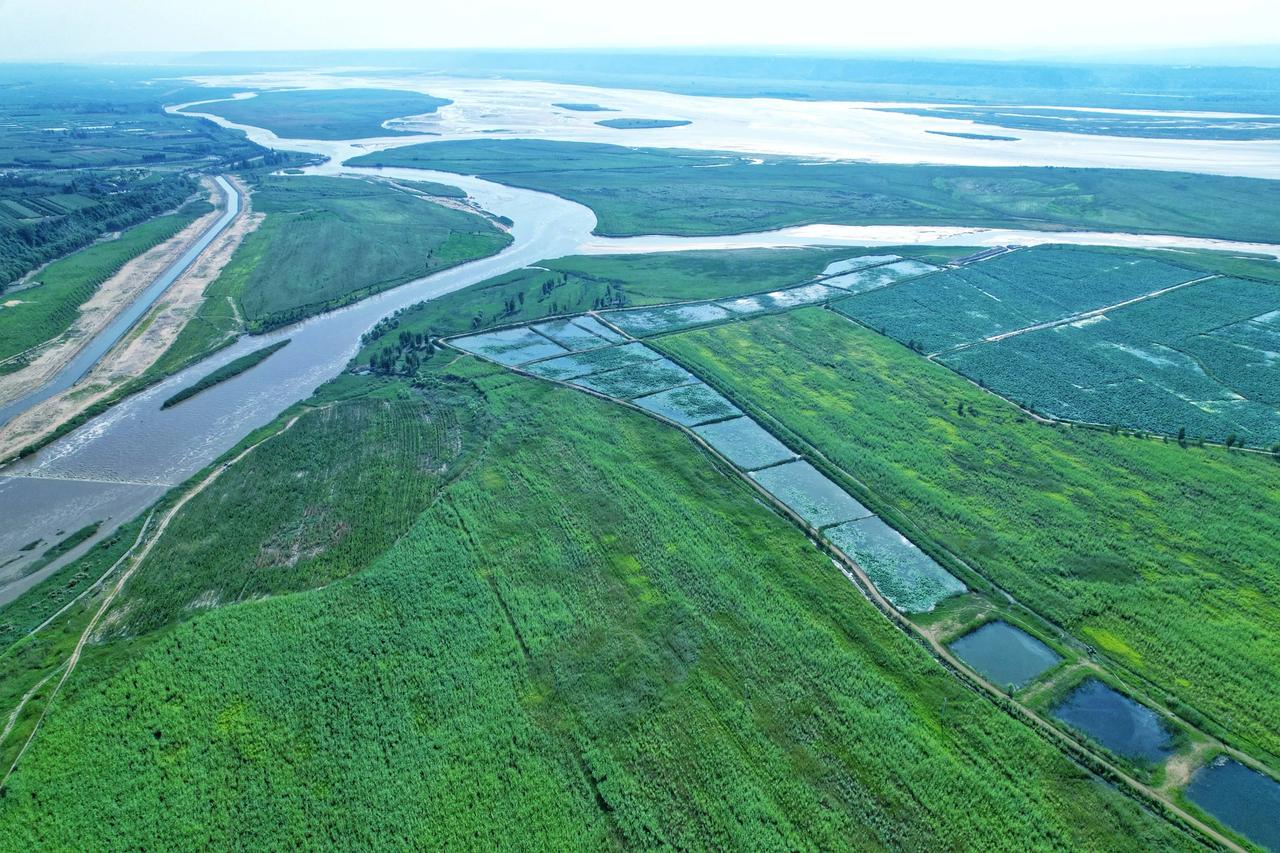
637,380
509,346
1004,655
667,318
1115,721
689,405
809,494
870,279
780,300
593,361
911,579
745,443
1241,798
570,335
595,327
861,262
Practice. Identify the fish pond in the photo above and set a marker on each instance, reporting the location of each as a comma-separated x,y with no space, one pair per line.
1241,798
809,494
594,361
911,580
637,380
745,443
509,346
1116,721
689,405
1005,655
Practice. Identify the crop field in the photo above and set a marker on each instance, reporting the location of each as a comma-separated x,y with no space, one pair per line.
812,496
1202,361
666,191
334,114
1159,557
689,405
637,380
37,314
593,361
570,687
969,303
904,574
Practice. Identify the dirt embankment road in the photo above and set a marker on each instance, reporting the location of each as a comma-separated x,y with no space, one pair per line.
140,349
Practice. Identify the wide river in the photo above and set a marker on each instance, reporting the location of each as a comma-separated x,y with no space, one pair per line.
117,464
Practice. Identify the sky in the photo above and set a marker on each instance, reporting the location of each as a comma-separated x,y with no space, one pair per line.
70,29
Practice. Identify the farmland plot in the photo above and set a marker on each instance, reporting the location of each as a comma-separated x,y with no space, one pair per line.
745,443
509,346
967,304
1203,359
904,574
812,496
689,405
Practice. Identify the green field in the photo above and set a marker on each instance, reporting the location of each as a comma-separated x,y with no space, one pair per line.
45,311
589,637
1162,558
328,114
661,191
1197,362
328,242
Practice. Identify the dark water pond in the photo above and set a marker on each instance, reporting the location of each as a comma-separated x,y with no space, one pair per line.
1241,798
1115,721
1005,655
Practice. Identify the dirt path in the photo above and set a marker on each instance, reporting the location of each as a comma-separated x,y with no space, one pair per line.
131,357
138,559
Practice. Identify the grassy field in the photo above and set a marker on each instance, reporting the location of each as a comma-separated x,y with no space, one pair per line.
47,310
327,242
662,191
330,114
590,638
582,283
1160,557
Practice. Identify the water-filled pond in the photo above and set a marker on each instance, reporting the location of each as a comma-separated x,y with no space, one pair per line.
1005,655
1241,798
1115,721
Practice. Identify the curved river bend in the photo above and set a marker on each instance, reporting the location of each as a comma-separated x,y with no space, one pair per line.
117,464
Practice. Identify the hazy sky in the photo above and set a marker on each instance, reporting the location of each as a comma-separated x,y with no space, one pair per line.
70,28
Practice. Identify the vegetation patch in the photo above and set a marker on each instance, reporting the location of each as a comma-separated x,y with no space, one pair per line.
326,114
227,371
689,405
1022,501
663,191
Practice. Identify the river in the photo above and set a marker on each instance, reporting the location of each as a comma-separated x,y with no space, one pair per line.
117,464
98,346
